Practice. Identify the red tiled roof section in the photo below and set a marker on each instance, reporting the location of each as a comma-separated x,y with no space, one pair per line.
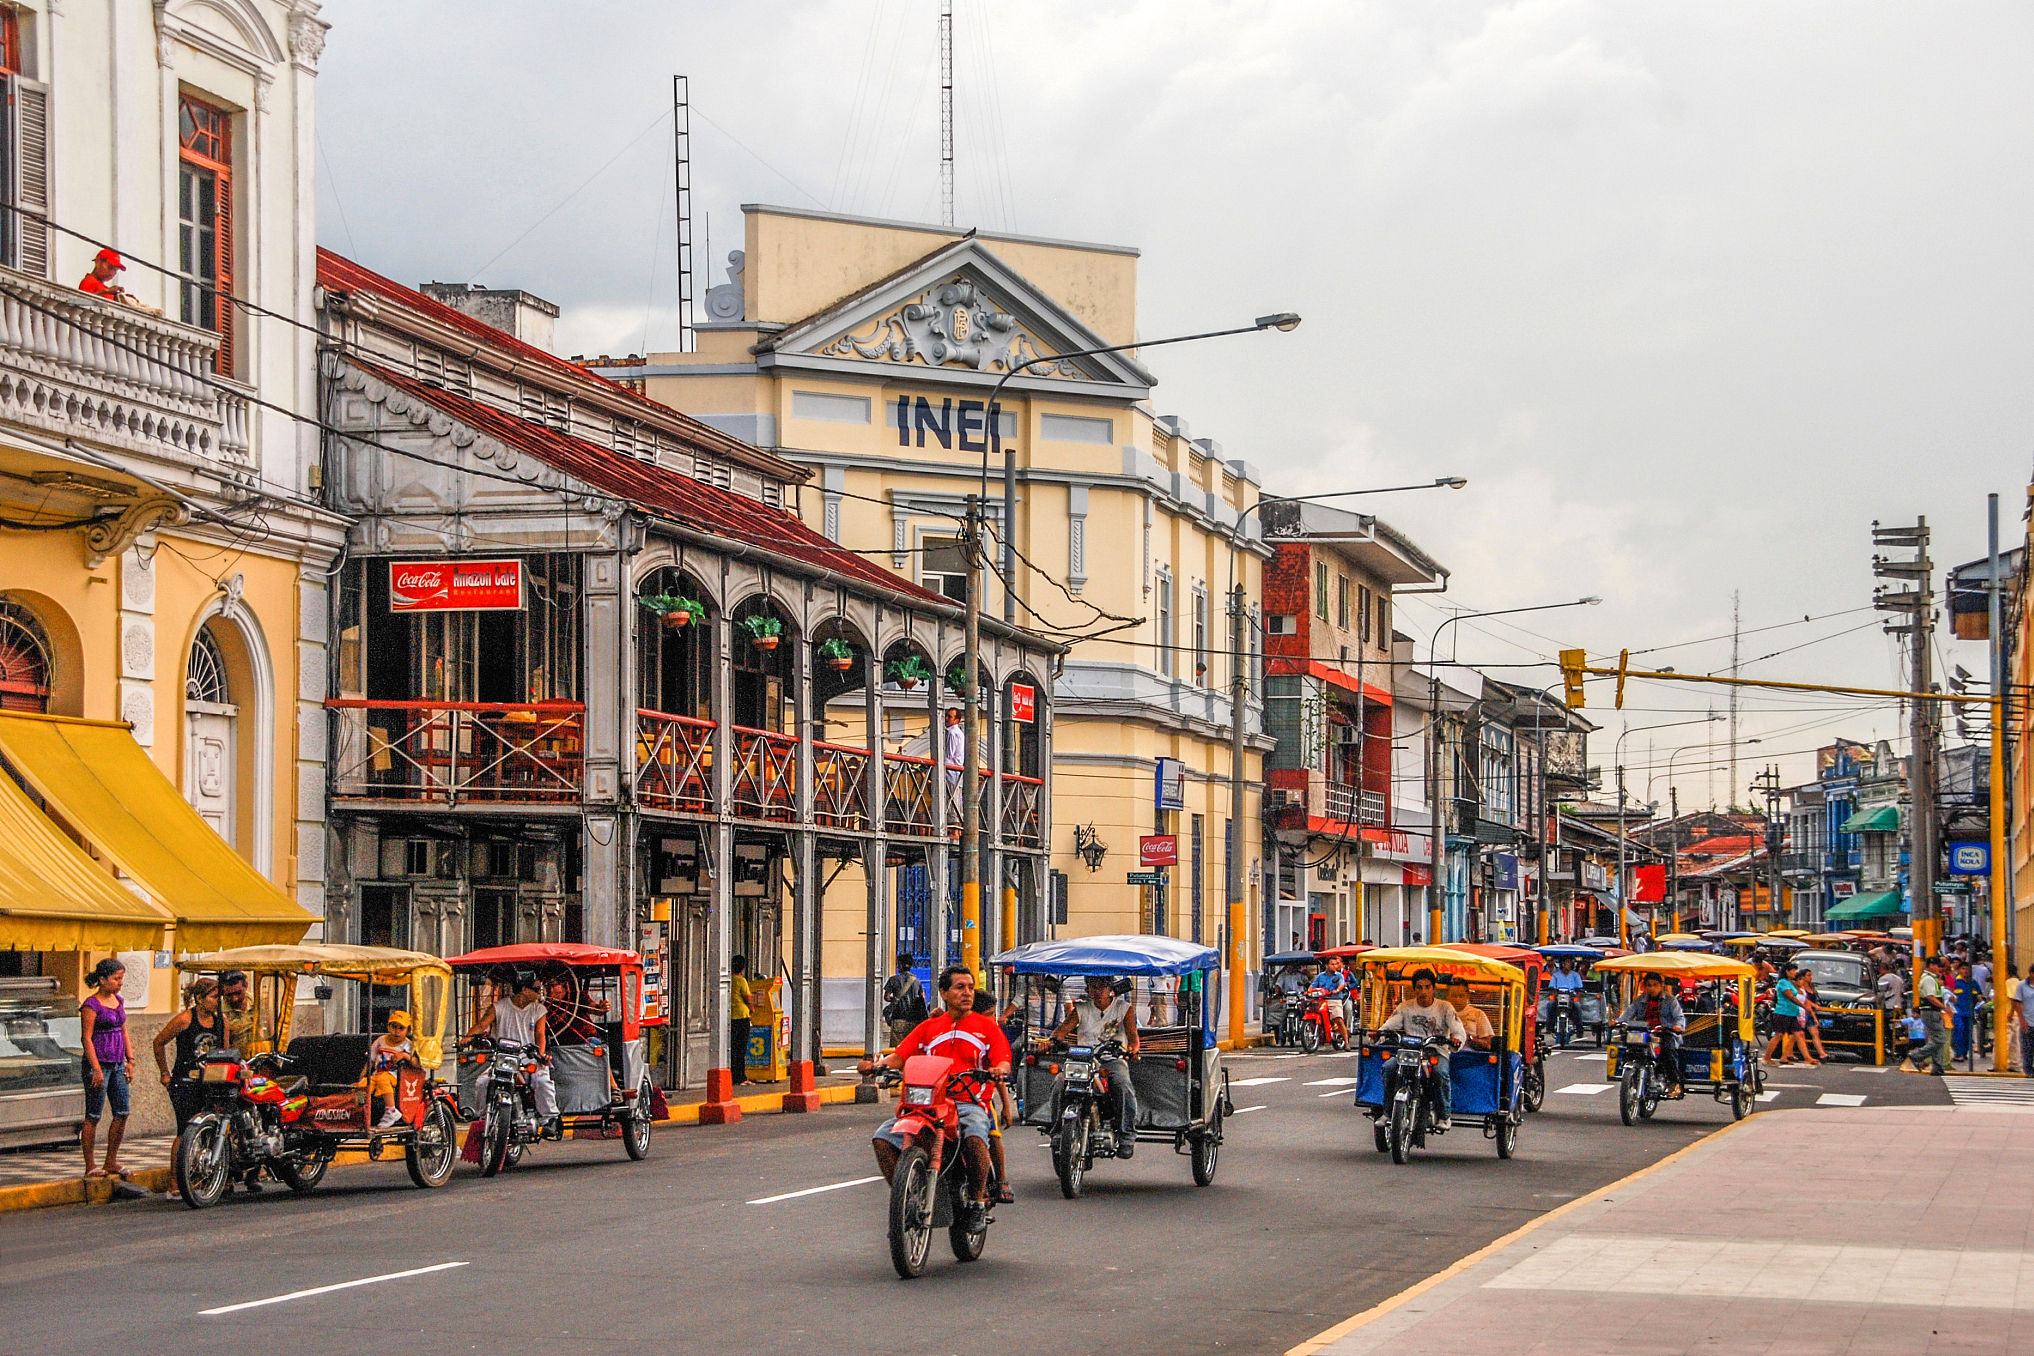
660,491
340,273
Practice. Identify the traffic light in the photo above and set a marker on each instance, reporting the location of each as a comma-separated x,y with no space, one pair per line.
1572,664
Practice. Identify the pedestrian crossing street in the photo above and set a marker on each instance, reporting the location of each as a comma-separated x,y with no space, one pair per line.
1991,1091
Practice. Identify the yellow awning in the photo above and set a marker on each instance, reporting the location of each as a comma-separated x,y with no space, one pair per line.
104,785
55,898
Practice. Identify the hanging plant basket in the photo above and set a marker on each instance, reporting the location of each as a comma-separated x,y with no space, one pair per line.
837,654
673,611
908,672
764,632
766,642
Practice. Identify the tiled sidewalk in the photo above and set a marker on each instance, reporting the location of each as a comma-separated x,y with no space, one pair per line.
1897,1230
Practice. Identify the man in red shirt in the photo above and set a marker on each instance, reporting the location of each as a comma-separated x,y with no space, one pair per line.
972,1040
100,280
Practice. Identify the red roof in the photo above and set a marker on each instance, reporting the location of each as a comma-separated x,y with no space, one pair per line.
662,492
338,272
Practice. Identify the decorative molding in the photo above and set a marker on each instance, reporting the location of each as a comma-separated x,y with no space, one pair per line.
264,84
951,322
727,301
108,537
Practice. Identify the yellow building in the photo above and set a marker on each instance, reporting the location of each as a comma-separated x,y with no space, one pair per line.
868,351
160,566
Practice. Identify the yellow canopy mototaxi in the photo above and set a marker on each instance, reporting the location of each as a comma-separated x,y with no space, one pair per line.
1719,1051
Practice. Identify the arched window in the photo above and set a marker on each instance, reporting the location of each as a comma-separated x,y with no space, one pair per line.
24,660
205,676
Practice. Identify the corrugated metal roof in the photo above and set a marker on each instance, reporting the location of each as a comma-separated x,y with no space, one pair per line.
662,492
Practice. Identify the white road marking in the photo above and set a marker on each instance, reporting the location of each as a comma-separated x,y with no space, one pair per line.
328,1289
1840,1099
1600,1059
1253,1082
1246,1110
1969,1091
1768,1096
1586,1089
814,1191
1331,1082
1338,1092
1343,1054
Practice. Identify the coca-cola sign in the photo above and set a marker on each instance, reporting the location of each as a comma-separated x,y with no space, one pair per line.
455,586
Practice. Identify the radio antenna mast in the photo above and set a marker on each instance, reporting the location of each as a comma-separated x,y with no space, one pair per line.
681,128
946,112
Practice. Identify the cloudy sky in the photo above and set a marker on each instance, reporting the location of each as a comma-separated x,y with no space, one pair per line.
1691,292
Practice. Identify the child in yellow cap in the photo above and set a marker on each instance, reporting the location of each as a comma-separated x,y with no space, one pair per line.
385,1056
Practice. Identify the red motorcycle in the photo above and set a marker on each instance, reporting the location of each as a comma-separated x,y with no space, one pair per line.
1321,1022
929,1189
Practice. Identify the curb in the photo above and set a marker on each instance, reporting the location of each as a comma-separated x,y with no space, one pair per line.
160,1181
1321,1340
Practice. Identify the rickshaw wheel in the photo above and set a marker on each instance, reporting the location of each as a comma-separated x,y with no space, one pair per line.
1740,1102
636,1129
1535,1089
1208,1152
1378,1132
1507,1136
1310,1037
199,1145
433,1150
300,1176
1404,1106
911,1213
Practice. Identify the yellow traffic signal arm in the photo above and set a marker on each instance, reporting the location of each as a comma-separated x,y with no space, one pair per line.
1575,668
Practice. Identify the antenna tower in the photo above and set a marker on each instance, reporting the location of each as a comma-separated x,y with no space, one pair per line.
681,128
946,112
1733,698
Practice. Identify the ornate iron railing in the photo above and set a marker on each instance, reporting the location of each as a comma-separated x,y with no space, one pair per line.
840,786
458,751
1020,809
765,784
907,795
674,762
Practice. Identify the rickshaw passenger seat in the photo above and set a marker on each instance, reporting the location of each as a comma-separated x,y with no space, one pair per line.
330,1064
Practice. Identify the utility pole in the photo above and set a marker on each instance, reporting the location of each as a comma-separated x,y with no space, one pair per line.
971,708
1233,886
681,129
1767,784
1918,602
1436,814
1623,902
1674,853
1734,637
2001,881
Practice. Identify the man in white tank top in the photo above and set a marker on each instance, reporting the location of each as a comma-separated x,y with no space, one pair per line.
1103,1016
520,1018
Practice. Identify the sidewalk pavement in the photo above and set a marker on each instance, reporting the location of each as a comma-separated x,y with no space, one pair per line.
31,1178
1903,1230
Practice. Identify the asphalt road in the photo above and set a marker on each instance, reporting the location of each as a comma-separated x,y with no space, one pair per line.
579,1250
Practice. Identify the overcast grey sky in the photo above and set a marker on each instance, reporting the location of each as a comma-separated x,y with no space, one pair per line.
1691,292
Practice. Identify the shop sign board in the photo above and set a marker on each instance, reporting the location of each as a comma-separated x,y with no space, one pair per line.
1144,877
1170,784
1023,703
455,586
1970,859
1158,849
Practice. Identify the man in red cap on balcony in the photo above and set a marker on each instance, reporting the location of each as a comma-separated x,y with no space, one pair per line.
105,267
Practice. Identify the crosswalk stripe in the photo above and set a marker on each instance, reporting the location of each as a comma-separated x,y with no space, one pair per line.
1254,1082
1991,1092
1840,1099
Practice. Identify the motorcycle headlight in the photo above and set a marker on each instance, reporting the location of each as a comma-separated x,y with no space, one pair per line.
918,1097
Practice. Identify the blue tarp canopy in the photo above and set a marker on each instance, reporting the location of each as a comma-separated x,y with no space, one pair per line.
1290,958
1120,955
1568,951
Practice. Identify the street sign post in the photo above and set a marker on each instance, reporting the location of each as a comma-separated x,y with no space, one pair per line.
1144,877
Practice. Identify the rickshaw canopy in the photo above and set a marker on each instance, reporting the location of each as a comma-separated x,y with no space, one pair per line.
1683,944
1347,953
1788,932
1441,958
1126,955
1666,937
1571,951
1290,958
539,953
1678,965
429,979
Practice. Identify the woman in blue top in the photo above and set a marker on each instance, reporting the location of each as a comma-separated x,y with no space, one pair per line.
1787,1021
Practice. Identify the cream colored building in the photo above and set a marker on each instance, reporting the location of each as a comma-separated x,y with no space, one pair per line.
866,350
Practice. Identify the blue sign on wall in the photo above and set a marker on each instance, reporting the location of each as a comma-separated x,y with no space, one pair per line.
1970,859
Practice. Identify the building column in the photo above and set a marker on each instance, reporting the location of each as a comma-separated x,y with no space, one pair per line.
937,854
995,891
875,853
605,896
805,916
720,1108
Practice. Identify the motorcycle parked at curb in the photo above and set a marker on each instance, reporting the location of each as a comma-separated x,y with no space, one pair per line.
929,1188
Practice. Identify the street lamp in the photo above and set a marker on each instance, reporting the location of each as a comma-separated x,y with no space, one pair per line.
1438,831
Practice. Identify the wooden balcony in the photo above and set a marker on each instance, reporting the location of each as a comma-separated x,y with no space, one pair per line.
448,753
674,762
765,784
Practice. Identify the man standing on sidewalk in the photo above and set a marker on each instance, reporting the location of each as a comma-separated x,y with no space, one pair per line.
903,1000
1934,1012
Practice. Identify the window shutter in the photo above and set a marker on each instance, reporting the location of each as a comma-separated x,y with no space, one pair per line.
28,169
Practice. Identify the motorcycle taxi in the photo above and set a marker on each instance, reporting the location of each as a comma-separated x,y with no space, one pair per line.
1590,1011
291,1103
1532,1045
1718,1053
1396,1084
1281,994
1181,1089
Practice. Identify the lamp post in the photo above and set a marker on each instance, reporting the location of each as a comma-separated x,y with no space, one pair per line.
1437,847
1617,755
971,700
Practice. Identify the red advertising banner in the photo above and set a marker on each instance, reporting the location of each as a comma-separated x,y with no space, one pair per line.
1416,875
1650,887
1158,849
455,586
1023,703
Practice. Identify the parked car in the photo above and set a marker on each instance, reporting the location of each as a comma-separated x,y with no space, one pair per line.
1852,1025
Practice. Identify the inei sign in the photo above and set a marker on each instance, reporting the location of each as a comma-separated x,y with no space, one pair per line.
455,586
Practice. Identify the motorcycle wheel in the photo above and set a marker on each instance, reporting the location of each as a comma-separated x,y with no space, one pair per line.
969,1232
1310,1037
636,1129
1534,1093
494,1141
1563,1031
1404,1105
1341,1041
1070,1157
1208,1152
1383,1137
1649,1094
434,1148
1740,1102
1628,1094
911,1213
203,1169
300,1176
1507,1137
1599,1038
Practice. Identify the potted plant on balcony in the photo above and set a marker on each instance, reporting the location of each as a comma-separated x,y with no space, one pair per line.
764,631
908,672
837,653
672,610
957,681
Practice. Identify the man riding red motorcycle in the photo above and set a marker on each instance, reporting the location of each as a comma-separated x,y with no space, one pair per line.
973,1041
1331,990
